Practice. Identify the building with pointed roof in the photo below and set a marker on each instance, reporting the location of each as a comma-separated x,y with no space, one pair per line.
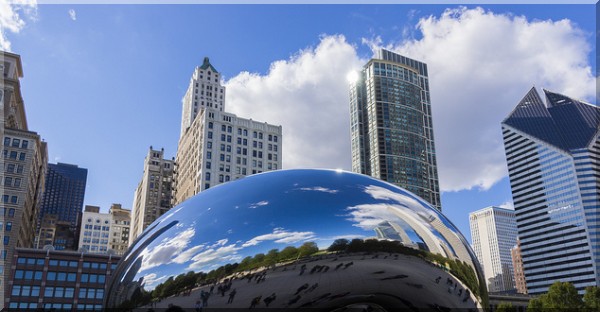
553,155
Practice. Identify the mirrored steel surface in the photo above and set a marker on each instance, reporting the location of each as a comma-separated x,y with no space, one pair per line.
318,239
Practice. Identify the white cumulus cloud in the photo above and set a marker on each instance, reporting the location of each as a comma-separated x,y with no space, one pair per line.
308,96
12,15
281,236
480,65
73,14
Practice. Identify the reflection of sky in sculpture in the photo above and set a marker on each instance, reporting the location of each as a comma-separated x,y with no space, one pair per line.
253,215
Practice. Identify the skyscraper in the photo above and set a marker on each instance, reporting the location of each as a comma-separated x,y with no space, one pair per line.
391,127
24,168
104,232
63,197
153,196
216,146
553,155
494,233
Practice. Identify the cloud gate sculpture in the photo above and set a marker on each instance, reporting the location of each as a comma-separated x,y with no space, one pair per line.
323,240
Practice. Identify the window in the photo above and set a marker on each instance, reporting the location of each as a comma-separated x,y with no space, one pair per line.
17,182
210,134
24,144
49,291
209,145
7,181
13,155
8,226
22,156
207,177
208,155
270,137
208,164
14,199
7,241
210,126
69,291
274,138
260,135
11,212
19,168
10,168
16,143
16,291
7,141
51,276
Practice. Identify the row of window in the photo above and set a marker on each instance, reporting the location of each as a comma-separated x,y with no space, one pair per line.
12,182
14,155
244,132
10,199
15,142
13,168
55,306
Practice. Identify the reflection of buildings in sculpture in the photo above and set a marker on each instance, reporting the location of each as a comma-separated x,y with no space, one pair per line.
494,232
454,242
431,241
126,290
519,275
393,231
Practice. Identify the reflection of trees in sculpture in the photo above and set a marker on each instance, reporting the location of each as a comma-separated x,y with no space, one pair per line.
462,270
187,281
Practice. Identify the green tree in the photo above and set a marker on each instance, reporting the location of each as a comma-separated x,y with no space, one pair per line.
339,245
308,248
591,299
562,296
535,305
288,253
506,307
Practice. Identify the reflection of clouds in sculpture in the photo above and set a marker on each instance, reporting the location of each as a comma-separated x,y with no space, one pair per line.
260,203
319,189
150,281
368,216
281,236
213,257
167,249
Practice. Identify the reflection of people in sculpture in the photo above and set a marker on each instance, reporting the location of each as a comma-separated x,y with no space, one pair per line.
270,299
231,296
255,301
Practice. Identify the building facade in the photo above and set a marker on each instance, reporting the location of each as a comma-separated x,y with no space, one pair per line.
63,198
218,147
494,233
58,280
519,275
553,156
120,228
105,232
204,91
153,196
24,161
391,125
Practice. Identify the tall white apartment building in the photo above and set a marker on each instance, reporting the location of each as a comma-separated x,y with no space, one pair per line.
216,146
205,91
153,195
101,232
494,233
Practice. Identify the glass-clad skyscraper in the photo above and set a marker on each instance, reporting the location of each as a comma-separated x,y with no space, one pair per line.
553,155
391,127
62,202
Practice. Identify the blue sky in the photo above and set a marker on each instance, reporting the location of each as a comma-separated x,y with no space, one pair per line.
104,82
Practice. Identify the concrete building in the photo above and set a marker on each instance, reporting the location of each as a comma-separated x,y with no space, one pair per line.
24,163
63,198
553,155
519,275
391,126
153,196
57,233
493,233
216,146
58,280
120,228
204,91
105,232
